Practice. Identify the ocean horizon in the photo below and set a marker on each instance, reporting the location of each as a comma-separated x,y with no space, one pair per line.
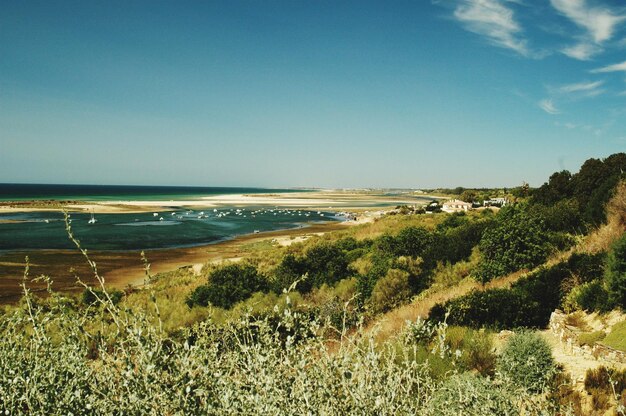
85,192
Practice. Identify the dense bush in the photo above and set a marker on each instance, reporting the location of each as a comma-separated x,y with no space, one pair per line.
454,244
564,215
323,263
476,349
591,296
615,275
247,366
587,267
228,285
517,240
591,188
467,394
527,361
390,291
528,303
90,296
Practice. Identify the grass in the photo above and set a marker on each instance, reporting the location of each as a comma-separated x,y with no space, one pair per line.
590,338
617,337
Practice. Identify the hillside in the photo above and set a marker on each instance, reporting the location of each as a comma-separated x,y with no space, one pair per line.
409,313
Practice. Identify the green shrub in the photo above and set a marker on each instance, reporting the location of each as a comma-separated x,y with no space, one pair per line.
615,275
586,266
90,296
471,395
591,296
528,303
390,291
323,263
590,338
517,240
527,361
475,348
228,285
617,337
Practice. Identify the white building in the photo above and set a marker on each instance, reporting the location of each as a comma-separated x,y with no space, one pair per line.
456,205
498,202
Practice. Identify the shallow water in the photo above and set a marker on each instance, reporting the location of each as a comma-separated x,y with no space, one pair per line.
144,231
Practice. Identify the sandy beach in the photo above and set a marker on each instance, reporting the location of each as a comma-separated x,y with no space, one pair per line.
328,199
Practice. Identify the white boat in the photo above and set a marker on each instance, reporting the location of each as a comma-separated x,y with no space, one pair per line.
92,220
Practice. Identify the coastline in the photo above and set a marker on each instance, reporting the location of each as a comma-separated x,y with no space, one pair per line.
330,199
123,268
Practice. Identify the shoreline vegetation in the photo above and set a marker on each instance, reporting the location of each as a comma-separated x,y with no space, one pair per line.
401,313
122,269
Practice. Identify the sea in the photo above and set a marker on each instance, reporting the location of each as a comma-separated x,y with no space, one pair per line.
171,228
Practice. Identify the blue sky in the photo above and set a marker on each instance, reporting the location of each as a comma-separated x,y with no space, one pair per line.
309,93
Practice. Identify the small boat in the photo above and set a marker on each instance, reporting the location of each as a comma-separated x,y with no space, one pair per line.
256,231
46,221
92,220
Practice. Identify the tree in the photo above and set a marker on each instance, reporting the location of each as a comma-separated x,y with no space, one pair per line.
290,269
390,291
228,285
515,241
615,274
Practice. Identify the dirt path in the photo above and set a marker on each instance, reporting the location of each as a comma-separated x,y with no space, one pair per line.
575,364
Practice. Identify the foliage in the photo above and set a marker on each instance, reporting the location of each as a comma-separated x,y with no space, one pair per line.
390,291
607,379
528,303
90,296
228,285
517,240
617,337
586,266
454,244
591,296
476,349
447,275
590,338
471,395
565,396
527,361
323,263
615,275
591,187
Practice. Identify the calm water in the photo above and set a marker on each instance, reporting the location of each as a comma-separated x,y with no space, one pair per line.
15,192
182,228
185,228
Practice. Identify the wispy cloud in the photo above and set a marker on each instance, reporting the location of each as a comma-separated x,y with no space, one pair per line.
587,89
494,20
583,51
611,68
600,22
548,106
